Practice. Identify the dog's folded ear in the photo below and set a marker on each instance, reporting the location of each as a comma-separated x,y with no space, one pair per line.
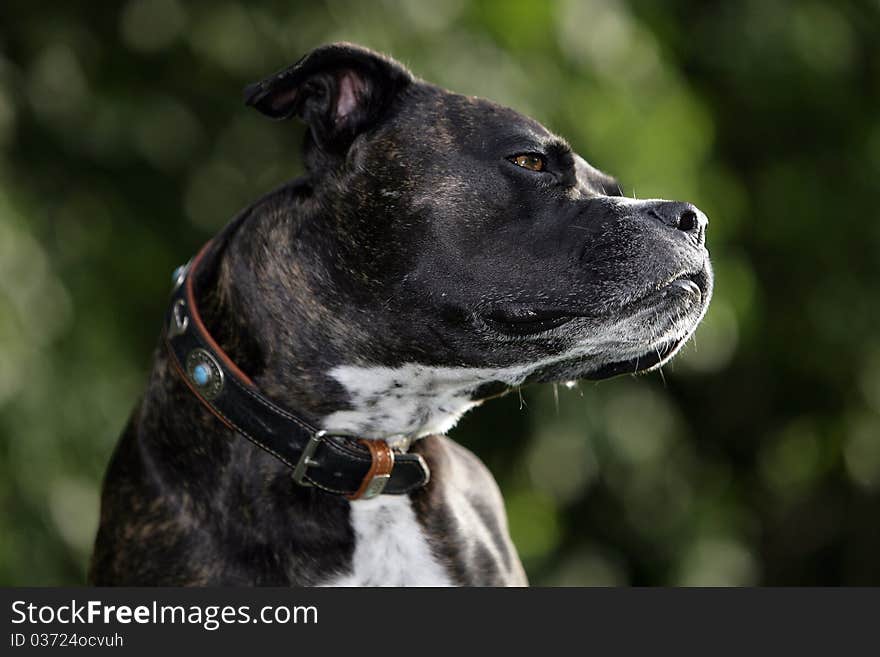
339,90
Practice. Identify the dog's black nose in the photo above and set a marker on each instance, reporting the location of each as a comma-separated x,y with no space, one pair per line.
685,217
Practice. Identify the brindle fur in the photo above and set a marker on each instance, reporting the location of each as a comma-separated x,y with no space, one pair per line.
409,228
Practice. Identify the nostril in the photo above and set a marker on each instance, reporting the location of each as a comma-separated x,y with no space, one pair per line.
687,221
678,215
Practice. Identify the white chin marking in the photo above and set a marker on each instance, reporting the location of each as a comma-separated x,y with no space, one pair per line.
413,400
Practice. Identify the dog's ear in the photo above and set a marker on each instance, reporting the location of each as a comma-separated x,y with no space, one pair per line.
339,90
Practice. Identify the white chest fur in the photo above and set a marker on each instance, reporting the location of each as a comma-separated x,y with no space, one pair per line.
390,548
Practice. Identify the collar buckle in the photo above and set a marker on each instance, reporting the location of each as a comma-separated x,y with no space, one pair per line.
376,478
305,459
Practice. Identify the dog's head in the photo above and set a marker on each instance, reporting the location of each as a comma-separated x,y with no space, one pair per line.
462,242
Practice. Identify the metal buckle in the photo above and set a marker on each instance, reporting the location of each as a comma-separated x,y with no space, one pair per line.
305,459
374,488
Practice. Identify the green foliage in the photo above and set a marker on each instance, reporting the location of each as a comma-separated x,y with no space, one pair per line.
124,145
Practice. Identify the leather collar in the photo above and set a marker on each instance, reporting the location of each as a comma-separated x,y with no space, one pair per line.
339,464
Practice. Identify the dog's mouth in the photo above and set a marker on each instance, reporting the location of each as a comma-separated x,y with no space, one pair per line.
525,320
646,361
692,286
692,290
672,308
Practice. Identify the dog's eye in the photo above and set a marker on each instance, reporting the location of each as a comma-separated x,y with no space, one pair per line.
530,161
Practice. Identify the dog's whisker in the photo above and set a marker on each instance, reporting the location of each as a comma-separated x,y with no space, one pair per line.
660,367
522,401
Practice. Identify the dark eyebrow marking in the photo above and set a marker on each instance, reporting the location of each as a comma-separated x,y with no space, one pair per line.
559,146
564,156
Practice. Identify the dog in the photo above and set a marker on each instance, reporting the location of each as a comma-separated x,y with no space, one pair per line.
440,250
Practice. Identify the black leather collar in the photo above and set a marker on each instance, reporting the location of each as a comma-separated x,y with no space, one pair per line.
344,465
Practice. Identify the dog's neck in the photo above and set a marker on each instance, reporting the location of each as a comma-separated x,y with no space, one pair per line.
398,404
304,359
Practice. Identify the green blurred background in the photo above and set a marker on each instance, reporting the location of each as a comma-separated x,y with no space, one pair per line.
124,145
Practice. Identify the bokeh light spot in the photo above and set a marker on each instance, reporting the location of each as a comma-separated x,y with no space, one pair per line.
151,25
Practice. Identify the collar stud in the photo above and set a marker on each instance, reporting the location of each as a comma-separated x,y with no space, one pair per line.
205,372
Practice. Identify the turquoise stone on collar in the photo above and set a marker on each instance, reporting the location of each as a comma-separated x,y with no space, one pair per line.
203,370
201,374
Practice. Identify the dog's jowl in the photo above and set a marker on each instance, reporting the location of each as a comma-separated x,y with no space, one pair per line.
439,250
